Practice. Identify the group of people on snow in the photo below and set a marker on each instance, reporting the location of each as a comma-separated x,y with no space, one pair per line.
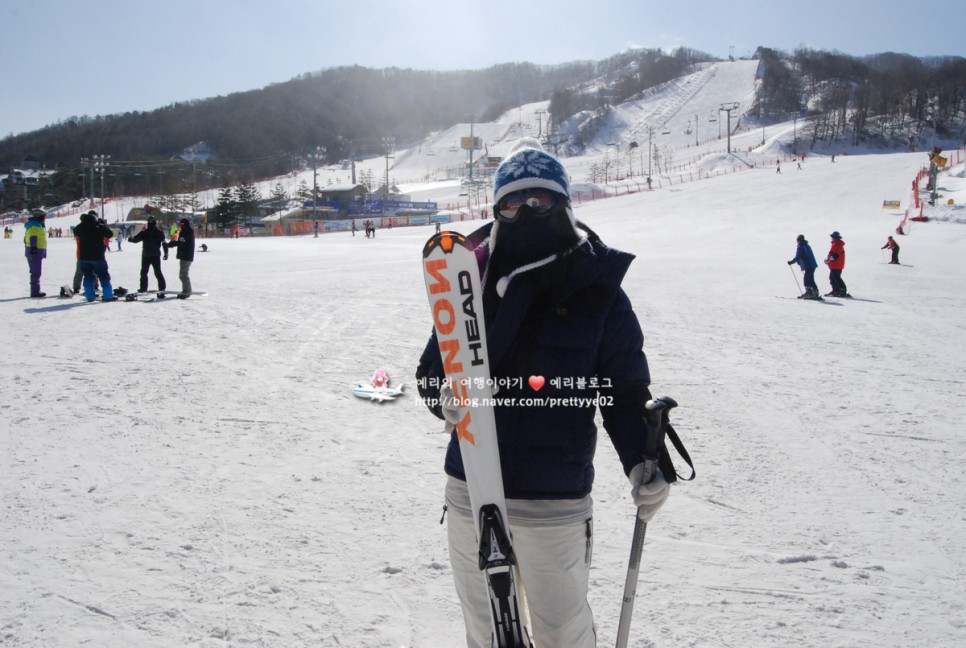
93,238
152,243
835,260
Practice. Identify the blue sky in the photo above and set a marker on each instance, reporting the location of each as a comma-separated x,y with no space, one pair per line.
64,58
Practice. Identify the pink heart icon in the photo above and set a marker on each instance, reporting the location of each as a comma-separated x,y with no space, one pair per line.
536,382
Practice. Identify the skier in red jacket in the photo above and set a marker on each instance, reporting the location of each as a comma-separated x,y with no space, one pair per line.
892,245
835,260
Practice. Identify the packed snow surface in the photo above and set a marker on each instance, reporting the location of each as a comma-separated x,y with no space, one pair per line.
199,473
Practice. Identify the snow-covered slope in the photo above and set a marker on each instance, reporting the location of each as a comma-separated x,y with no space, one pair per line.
198,473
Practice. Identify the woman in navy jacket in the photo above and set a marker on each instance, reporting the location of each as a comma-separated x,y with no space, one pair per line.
554,309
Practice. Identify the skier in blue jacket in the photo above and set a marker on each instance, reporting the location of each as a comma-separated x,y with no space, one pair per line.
554,308
806,261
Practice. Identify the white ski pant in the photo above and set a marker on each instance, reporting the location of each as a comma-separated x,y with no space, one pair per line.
553,543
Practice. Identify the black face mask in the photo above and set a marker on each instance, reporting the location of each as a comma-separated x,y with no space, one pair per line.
533,237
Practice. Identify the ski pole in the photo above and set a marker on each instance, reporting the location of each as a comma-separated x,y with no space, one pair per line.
795,277
656,420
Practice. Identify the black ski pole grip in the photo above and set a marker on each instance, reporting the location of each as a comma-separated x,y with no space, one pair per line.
656,420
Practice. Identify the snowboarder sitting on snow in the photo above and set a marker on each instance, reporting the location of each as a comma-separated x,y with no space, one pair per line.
835,260
553,307
151,239
806,261
892,245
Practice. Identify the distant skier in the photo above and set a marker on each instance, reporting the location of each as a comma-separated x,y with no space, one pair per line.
892,245
835,260
806,261
151,240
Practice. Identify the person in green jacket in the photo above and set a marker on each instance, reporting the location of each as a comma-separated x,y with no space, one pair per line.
35,248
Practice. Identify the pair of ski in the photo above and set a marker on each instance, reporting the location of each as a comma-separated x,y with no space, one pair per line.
830,299
455,294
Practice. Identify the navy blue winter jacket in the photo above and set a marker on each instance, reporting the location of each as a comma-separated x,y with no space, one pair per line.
185,244
571,323
804,257
151,239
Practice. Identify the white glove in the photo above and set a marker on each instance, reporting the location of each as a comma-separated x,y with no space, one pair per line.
447,403
648,498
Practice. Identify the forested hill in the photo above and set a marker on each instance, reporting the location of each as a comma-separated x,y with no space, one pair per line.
338,108
351,110
853,99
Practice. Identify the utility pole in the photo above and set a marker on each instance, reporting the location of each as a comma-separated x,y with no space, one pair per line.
932,109
89,164
472,144
540,112
346,144
319,154
389,144
762,109
100,164
728,107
